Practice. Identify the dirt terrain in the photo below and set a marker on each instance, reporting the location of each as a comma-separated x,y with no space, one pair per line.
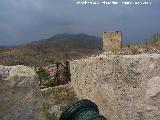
125,87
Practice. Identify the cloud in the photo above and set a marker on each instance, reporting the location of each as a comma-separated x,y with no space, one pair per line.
23,21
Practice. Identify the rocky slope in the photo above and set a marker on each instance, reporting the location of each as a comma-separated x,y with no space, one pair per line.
20,97
125,87
60,47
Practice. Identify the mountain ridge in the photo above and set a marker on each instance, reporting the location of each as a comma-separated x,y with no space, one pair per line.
59,47
71,39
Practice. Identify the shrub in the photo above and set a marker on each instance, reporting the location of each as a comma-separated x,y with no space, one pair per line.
43,74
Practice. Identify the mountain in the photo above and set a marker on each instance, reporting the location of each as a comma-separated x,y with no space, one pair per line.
60,47
70,42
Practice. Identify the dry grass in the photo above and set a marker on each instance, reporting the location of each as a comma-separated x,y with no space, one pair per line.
55,100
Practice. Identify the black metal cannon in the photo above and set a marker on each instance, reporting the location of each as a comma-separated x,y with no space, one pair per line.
82,110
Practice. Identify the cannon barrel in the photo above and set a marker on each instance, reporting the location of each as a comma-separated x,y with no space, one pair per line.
82,110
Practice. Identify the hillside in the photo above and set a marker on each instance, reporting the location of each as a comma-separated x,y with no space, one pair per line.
47,51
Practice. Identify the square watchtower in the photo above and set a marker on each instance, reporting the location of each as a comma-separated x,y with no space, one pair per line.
112,41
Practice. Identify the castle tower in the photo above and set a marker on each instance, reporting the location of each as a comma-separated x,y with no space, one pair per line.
112,40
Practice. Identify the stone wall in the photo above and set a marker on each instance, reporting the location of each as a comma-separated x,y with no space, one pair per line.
112,41
125,87
20,97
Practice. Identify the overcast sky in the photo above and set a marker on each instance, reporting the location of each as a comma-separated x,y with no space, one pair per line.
22,21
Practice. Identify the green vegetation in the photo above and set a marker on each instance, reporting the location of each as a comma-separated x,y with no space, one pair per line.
50,81
44,77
